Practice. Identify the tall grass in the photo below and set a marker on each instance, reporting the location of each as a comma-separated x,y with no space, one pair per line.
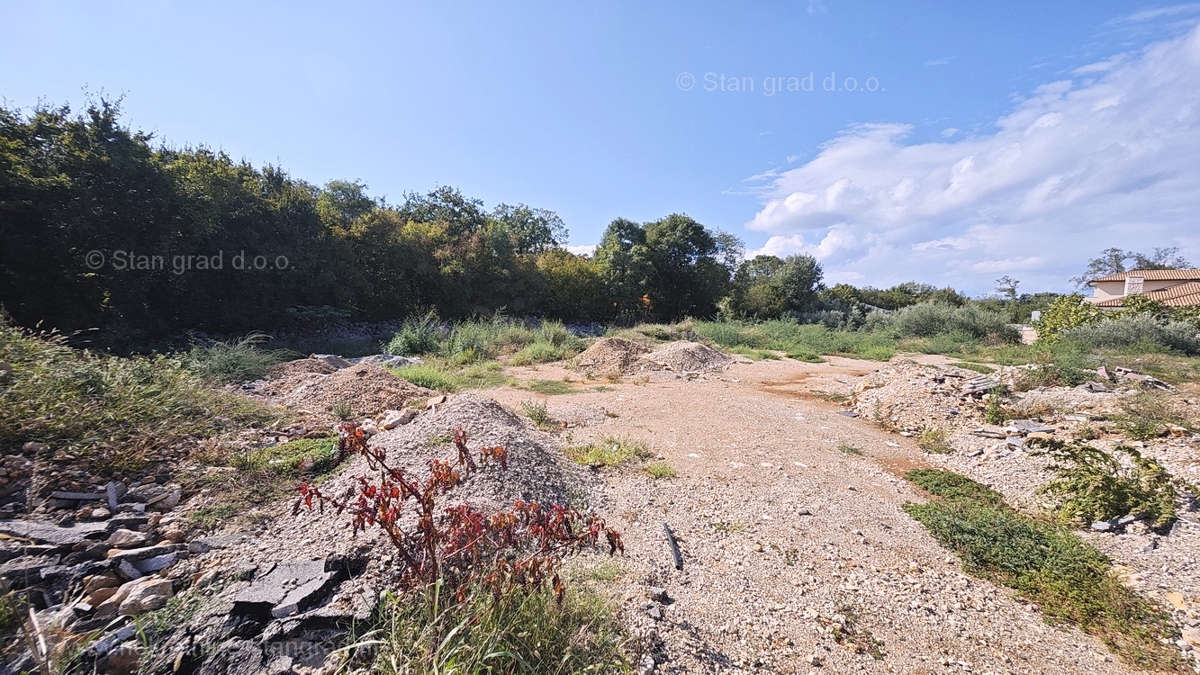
235,360
801,341
474,341
93,403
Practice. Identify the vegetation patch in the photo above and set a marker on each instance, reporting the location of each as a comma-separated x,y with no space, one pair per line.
977,367
442,375
1092,485
935,440
550,387
849,449
538,414
660,470
239,360
120,410
610,451
1070,580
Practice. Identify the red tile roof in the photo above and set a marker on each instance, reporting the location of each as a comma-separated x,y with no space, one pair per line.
1182,295
1153,275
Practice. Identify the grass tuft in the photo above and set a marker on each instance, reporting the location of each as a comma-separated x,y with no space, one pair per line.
609,451
660,470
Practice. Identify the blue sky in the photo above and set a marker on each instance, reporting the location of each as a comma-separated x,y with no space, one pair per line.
981,139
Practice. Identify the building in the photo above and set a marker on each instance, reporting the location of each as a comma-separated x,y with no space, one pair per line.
1173,288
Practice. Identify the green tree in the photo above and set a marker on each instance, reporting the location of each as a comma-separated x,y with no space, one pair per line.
1115,260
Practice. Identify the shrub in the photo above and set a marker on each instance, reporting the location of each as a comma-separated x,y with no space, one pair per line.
417,336
1066,313
539,352
1141,330
537,413
236,360
1070,580
926,320
934,439
1093,485
427,376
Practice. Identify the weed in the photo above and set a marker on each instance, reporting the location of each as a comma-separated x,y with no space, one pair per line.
417,336
426,376
609,451
849,449
109,408
1148,415
996,412
550,387
1086,432
209,517
935,440
527,631
236,360
1091,484
728,526
342,410
603,570
849,632
1070,580
538,414
660,470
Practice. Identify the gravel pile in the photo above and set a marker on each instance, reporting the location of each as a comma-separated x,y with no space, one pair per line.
611,356
367,389
685,357
299,367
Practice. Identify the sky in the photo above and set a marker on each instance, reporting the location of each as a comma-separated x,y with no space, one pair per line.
946,142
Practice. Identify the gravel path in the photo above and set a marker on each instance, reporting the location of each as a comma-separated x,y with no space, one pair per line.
797,555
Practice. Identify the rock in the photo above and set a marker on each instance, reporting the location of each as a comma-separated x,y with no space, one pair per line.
157,563
123,538
173,535
77,496
124,659
658,594
646,665
34,448
387,360
1192,636
331,360
49,533
25,569
114,491
1094,387
655,612
99,513
1176,600
289,588
126,567
97,581
145,594
1102,526
97,597
394,418
135,554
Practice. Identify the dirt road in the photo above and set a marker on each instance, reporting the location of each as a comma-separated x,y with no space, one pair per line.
797,555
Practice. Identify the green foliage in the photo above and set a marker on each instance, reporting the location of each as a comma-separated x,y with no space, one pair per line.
609,451
1057,364
429,633
660,470
239,360
935,440
1066,313
1091,484
1067,578
803,342
550,387
427,376
977,367
1144,331
106,406
996,412
849,449
538,414
900,295
766,287
418,335
1113,261
929,319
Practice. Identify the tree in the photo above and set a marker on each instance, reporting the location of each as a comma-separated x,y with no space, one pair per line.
532,230
623,261
1007,287
755,292
689,273
342,202
799,279
1113,261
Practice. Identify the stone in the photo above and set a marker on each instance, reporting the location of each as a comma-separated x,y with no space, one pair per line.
126,567
97,581
169,500
49,533
98,596
1102,526
1176,600
332,360
287,589
77,496
114,491
134,554
173,535
1094,387
156,563
99,513
394,418
123,538
658,594
142,595
655,612
33,447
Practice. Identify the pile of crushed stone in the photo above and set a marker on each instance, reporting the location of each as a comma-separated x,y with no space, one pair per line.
537,469
685,357
307,366
611,356
367,389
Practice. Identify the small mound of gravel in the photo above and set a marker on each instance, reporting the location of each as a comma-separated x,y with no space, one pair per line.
306,366
368,389
537,469
611,356
685,357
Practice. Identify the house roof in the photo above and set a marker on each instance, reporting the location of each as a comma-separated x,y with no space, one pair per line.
1182,295
1153,275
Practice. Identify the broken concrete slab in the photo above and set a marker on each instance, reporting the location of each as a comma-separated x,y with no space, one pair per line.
135,554
49,533
292,586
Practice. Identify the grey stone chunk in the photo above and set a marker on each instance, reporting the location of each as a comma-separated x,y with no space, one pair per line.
78,496
49,533
156,563
286,588
129,570
135,554
1102,526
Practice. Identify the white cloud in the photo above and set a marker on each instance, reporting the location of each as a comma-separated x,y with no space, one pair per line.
1075,168
587,249
944,61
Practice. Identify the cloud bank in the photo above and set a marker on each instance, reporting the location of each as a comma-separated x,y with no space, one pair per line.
1110,157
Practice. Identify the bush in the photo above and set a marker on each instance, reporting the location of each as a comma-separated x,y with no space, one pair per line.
236,360
416,337
609,451
928,319
1093,485
1066,313
1141,330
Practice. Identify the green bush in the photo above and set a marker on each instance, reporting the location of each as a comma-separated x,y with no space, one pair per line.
1141,330
1066,313
609,451
236,360
417,336
429,633
926,320
427,376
